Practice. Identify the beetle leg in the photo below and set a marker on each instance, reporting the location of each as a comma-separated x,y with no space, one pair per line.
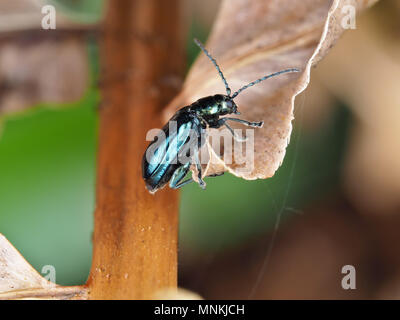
179,174
179,185
237,138
201,182
222,122
247,123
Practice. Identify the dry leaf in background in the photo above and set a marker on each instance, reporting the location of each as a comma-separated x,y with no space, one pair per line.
15,272
372,173
253,38
38,65
19,280
22,15
45,70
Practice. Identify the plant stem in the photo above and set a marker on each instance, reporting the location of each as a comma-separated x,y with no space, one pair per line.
135,233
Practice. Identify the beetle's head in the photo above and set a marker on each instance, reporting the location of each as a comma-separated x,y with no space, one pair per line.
227,104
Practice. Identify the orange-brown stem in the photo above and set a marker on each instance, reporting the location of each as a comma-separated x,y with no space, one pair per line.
135,233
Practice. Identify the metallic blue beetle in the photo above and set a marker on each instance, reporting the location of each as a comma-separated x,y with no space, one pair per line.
164,164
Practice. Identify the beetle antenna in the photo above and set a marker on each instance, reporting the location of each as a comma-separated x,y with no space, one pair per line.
262,79
228,90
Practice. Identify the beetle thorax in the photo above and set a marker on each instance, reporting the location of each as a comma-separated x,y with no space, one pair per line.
214,106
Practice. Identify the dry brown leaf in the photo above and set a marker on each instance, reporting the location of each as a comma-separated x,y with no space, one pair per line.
19,15
46,70
15,272
39,65
254,38
19,280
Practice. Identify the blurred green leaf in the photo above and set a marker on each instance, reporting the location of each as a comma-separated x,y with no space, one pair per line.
47,187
